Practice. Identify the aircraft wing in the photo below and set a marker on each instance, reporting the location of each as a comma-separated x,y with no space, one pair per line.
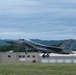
55,48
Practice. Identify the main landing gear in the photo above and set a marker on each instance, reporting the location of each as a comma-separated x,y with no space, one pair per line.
45,55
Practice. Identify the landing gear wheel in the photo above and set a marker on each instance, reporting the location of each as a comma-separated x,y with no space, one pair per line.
47,55
43,55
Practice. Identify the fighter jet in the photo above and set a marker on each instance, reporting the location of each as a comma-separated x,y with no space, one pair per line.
64,48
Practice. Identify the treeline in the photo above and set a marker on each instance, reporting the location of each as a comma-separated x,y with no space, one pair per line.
18,49
13,48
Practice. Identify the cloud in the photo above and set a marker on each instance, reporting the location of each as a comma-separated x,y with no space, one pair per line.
43,19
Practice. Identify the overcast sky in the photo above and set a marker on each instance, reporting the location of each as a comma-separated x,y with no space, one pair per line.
38,19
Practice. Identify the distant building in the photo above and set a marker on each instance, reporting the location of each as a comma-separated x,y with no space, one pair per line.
12,57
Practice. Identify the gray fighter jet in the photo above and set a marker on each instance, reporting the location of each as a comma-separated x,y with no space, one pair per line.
64,48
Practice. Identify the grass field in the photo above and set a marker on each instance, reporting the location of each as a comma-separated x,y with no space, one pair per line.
37,69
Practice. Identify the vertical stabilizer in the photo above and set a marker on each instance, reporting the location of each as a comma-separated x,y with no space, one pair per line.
67,46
